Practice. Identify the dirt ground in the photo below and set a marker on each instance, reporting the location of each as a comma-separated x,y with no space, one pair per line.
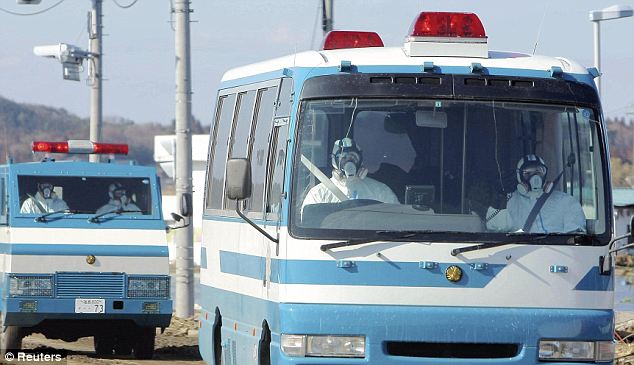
177,345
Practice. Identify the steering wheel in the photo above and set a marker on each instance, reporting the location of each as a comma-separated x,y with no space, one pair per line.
354,203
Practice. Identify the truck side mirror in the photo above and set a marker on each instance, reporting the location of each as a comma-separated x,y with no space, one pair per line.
186,205
238,179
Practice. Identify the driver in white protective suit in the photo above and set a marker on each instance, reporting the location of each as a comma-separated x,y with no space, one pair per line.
44,201
349,176
560,212
119,201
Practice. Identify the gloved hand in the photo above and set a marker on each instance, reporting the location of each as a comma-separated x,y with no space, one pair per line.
478,208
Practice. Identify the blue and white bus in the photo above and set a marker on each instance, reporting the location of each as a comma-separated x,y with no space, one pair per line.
432,203
84,251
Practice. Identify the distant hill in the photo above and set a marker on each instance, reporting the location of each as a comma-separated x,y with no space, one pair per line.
20,124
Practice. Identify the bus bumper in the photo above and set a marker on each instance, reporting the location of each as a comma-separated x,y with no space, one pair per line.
29,312
435,335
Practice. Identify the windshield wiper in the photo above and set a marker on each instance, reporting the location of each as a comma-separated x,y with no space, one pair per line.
118,211
528,238
390,236
44,217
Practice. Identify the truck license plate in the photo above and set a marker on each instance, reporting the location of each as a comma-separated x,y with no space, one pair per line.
90,306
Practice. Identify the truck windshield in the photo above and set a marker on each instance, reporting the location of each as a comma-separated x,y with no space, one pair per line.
84,195
366,165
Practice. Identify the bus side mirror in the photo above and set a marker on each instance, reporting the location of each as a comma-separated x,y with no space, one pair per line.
186,205
238,179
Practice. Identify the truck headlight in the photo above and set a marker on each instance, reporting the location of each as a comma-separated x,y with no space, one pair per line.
149,287
323,346
600,351
30,286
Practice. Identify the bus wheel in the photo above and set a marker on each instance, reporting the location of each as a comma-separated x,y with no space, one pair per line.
123,345
144,343
264,352
217,338
104,344
10,339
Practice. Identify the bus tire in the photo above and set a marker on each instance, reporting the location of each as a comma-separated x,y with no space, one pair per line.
264,348
123,345
217,338
10,339
104,344
144,343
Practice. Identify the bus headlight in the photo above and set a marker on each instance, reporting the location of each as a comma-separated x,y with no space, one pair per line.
323,346
30,286
600,351
148,287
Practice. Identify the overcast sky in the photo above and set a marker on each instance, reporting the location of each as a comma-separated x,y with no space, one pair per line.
139,46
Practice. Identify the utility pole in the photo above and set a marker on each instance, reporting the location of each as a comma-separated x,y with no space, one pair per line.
95,76
327,16
184,237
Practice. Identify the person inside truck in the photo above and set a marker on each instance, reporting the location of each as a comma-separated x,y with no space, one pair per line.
44,201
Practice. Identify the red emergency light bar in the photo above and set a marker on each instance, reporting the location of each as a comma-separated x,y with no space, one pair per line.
446,24
339,39
80,147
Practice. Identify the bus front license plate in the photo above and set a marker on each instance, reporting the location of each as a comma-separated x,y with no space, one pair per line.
90,306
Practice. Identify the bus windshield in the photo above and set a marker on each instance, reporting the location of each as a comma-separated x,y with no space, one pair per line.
84,194
368,165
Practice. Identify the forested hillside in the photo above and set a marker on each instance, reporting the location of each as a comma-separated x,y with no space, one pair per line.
20,124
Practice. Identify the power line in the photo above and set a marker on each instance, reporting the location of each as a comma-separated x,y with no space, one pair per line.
35,13
125,6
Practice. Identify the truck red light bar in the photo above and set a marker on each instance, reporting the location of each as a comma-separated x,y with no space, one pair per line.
339,39
445,24
80,147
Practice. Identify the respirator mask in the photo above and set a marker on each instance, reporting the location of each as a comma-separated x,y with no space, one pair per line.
46,190
531,174
347,159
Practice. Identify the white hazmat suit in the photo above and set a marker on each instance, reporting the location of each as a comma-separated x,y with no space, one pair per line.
354,188
560,213
39,204
114,205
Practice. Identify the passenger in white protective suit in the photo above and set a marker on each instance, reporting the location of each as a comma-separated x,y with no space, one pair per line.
119,201
349,176
44,201
561,213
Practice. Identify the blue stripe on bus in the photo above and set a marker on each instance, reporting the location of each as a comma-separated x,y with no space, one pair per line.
81,222
365,273
594,281
83,250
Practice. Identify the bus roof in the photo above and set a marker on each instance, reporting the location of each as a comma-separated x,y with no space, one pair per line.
396,56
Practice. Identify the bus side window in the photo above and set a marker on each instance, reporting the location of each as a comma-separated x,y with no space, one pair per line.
285,100
277,157
3,201
218,157
240,131
275,185
259,145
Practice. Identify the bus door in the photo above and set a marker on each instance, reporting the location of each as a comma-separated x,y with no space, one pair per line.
275,193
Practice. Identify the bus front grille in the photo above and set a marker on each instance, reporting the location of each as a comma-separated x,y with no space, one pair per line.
90,285
453,350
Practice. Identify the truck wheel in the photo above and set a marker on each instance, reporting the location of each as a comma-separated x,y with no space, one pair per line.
144,343
123,345
104,345
10,339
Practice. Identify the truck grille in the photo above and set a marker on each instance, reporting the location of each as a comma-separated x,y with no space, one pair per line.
90,285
